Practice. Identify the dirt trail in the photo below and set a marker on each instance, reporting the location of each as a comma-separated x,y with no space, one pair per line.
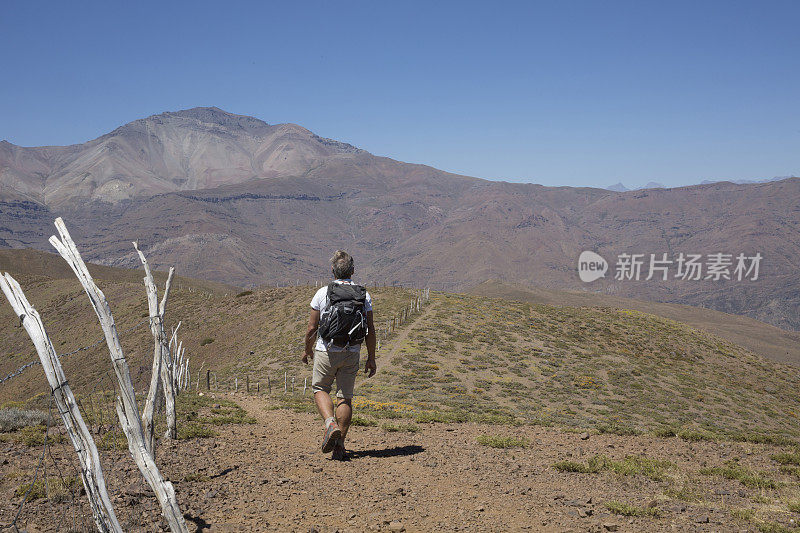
397,341
271,476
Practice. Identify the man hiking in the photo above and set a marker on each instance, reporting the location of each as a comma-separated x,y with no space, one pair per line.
341,319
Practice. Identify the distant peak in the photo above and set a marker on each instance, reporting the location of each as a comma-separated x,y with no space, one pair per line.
212,115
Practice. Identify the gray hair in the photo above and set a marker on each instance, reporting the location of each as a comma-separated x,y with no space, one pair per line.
342,264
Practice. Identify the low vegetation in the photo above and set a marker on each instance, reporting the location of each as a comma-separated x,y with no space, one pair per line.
749,478
14,418
632,465
625,509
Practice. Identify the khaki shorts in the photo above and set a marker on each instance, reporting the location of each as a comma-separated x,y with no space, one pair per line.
343,366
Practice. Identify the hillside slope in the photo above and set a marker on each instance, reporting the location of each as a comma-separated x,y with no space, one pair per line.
760,338
235,200
588,367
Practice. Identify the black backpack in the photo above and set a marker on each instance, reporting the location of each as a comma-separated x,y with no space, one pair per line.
345,322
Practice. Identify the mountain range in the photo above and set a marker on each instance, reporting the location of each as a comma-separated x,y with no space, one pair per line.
233,199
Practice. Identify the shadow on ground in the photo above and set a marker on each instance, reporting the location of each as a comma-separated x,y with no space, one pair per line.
397,451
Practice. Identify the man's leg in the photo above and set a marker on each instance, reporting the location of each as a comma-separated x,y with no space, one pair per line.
345,382
324,404
344,414
321,385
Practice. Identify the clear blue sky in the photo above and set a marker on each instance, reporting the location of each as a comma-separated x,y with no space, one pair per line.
557,92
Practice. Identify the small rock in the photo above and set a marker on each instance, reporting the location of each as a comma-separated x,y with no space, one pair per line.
585,436
608,526
480,508
721,492
702,519
317,469
396,526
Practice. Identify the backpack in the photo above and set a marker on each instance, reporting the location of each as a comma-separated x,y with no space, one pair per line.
345,322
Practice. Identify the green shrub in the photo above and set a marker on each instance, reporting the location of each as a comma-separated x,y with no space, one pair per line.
632,465
56,489
207,340
748,478
624,509
358,420
787,458
34,436
574,466
195,431
244,293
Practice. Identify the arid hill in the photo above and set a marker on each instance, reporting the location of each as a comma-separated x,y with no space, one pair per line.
235,200
584,417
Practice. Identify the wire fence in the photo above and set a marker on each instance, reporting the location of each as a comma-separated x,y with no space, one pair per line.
101,340
43,473
46,486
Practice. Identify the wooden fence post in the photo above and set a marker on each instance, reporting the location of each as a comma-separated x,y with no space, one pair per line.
208,379
79,434
160,358
127,410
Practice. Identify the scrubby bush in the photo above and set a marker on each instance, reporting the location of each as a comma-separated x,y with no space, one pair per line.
13,418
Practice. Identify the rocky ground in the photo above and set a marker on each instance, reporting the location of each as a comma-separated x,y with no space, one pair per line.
271,476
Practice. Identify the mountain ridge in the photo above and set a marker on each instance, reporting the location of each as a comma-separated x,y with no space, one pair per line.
226,204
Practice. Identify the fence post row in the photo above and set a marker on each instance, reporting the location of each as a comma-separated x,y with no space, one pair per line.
79,434
127,410
160,356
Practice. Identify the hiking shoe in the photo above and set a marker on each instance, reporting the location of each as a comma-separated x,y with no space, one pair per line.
339,453
331,437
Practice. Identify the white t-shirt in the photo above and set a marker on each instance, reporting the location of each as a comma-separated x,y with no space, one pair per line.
320,303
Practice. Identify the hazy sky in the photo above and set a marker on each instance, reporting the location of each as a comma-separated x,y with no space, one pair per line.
557,92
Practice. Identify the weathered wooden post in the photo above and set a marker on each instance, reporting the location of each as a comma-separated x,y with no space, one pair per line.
127,410
247,383
269,386
79,434
161,358
208,379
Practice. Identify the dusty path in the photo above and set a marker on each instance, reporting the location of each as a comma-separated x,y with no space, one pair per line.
271,476
439,479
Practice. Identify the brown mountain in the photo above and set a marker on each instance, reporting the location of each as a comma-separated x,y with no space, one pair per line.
233,199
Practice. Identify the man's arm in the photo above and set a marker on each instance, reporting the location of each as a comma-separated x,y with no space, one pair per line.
370,367
311,335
